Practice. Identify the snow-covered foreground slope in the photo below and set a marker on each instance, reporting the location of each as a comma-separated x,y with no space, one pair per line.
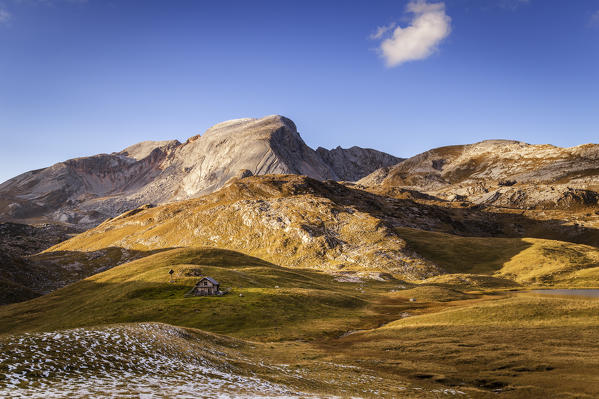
154,360
141,360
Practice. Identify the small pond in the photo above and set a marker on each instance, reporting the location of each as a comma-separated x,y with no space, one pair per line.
572,292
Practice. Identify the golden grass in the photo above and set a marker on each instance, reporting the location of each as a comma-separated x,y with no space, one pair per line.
304,231
471,282
521,345
529,261
523,309
552,262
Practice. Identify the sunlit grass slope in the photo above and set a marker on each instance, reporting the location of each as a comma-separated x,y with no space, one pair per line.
294,221
524,345
264,300
519,310
519,346
524,260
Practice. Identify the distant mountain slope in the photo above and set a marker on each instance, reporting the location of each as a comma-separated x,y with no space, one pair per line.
350,164
85,191
500,172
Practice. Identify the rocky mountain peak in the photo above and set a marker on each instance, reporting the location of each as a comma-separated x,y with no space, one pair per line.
87,190
143,149
227,126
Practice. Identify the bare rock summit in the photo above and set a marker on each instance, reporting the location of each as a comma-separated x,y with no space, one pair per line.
86,191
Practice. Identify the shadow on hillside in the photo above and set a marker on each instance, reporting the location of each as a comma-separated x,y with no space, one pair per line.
260,296
487,223
467,221
458,254
26,277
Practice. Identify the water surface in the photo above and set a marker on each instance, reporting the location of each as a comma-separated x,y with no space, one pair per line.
569,292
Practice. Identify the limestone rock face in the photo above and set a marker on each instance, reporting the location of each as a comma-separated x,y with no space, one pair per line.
86,191
353,163
81,191
500,172
262,146
141,150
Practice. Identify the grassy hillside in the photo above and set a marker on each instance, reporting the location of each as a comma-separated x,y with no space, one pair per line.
293,311
265,300
310,332
293,221
529,261
298,222
23,278
520,346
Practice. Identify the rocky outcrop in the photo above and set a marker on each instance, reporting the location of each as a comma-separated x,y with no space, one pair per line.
501,173
526,196
354,163
85,191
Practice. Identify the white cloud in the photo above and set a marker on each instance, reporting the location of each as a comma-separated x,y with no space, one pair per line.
4,16
428,27
595,18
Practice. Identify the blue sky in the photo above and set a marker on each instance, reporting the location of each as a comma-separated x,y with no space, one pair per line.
84,77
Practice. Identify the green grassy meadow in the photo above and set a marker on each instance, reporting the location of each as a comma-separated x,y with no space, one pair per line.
472,332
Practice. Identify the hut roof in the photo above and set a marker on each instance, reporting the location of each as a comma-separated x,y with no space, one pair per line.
213,281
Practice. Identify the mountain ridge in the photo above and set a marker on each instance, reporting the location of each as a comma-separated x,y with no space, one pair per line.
505,173
85,191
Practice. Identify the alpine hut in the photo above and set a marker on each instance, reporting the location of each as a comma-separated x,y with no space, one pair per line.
206,286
